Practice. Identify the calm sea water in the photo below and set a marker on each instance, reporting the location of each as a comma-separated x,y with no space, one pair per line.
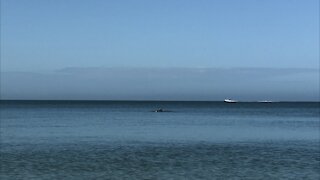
125,140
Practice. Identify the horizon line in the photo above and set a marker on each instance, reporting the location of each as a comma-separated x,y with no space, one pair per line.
149,100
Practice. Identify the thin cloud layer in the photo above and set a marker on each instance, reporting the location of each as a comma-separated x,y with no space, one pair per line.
163,84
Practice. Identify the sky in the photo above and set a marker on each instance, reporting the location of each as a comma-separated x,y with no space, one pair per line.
237,44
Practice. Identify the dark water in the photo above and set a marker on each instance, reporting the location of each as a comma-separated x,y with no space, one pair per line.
125,140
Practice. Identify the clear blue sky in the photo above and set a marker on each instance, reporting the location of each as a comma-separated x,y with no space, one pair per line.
54,34
160,49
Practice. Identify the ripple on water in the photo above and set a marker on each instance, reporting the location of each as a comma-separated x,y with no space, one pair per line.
162,161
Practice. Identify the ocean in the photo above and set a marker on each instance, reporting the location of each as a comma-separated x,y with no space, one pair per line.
127,140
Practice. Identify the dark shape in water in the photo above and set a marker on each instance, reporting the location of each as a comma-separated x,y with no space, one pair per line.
161,110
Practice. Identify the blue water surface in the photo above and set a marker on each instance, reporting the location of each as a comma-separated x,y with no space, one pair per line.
127,140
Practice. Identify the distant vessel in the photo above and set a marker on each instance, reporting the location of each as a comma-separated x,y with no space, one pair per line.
265,101
230,101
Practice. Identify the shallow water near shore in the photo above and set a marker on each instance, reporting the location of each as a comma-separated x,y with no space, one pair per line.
126,140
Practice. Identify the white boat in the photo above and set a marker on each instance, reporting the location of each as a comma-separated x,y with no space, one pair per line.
265,101
230,101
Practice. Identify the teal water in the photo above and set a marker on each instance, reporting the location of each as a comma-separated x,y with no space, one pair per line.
126,140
